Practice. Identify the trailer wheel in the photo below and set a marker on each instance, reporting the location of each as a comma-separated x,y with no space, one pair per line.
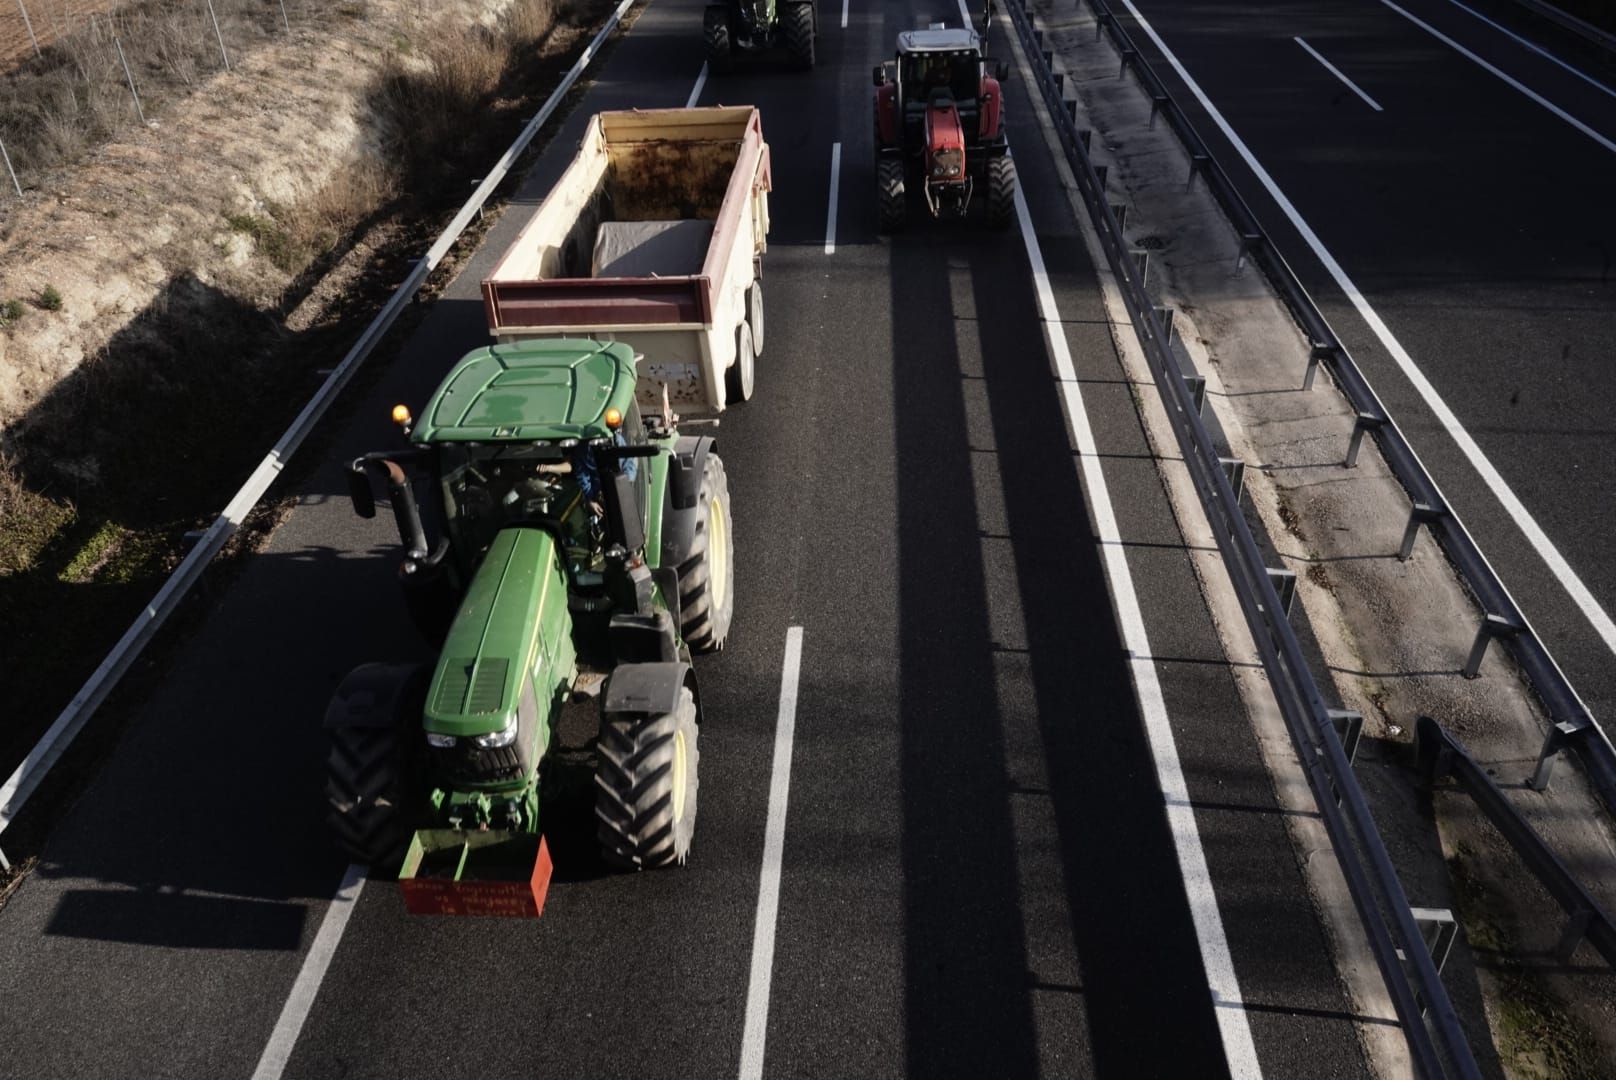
706,571
890,193
754,316
741,377
1001,192
372,762
715,33
645,786
799,33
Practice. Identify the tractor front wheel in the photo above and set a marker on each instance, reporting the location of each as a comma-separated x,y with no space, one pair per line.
715,33
799,34
372,763
645,787
890,193
706,572
1001,192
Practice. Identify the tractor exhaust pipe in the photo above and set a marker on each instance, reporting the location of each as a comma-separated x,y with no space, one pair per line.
400,493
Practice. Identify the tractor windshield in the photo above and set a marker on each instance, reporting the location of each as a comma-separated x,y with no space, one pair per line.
489,486
954,71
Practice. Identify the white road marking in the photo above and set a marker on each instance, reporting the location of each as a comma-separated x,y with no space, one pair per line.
298,1003
844,14
1228,1007
835,187
774,839
1540,50
1528,91
1371,102
1567,577
695,91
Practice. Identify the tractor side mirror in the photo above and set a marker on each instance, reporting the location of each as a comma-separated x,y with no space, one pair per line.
1001,71
359,490
880,74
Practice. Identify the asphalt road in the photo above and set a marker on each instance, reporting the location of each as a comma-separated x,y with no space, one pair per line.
1473,212
978,876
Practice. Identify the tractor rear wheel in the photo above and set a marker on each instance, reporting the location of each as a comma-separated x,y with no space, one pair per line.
715,33
741,377
372,764
645,786
706,573
754,316
1001,192
890,193
799,33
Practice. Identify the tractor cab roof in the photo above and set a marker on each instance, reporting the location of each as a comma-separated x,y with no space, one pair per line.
940,40
551,388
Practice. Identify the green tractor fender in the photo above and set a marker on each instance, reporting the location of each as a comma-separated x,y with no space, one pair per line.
646,776
697,542
680,512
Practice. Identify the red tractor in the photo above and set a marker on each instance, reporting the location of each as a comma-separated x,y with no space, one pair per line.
939,124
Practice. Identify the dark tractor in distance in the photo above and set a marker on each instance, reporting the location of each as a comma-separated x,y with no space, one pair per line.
566,549
939,127
758,25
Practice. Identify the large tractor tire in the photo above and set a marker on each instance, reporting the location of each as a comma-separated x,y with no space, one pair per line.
715,33
890,194
741,378
1001,192
645,787
754,316
798,23
373,764
706,572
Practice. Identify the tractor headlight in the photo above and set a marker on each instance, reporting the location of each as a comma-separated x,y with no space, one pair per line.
937,170
953,170
442,742
496,739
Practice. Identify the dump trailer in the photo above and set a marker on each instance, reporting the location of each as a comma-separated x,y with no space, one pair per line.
565,549
654,237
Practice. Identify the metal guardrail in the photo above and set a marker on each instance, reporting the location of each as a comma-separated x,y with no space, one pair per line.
1430,1023
1443,755
1587,30
1573,727
27,776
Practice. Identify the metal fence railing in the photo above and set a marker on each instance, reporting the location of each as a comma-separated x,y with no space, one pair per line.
1431,1026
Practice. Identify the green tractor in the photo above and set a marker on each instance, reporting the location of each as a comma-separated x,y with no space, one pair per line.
577,549
757,25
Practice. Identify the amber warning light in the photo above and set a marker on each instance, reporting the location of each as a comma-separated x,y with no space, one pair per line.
614,419
401,415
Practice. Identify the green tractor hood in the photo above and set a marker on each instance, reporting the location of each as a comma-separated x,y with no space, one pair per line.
512,624
549,388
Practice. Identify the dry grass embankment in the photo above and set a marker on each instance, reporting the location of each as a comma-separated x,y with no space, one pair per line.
202,272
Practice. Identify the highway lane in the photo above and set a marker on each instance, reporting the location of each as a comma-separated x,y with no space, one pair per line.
1474,220
978,877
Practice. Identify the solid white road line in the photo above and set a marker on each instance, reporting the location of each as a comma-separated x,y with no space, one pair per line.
1228,1006
1540,50
1567,577
1371,102
774,839
296,1010
1533,94
844,14
835,187
695,91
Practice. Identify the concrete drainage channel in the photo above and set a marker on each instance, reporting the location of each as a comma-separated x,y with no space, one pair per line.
26,778
1408,943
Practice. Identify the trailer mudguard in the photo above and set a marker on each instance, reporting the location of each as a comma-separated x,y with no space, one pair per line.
992,109
886,114
647,689
679,510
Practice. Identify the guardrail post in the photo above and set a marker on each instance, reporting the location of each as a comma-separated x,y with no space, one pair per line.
1198,162
1197,387
1284,582
1060,81
1576,929
1235,470
1364,422
1127,58
1419,514
1085,136
1320,350
1349,729
1439,930
1559,736
1164,316
1157,101
1249,242
1101,172
1493,626
1120,212
1141,263
1071,113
